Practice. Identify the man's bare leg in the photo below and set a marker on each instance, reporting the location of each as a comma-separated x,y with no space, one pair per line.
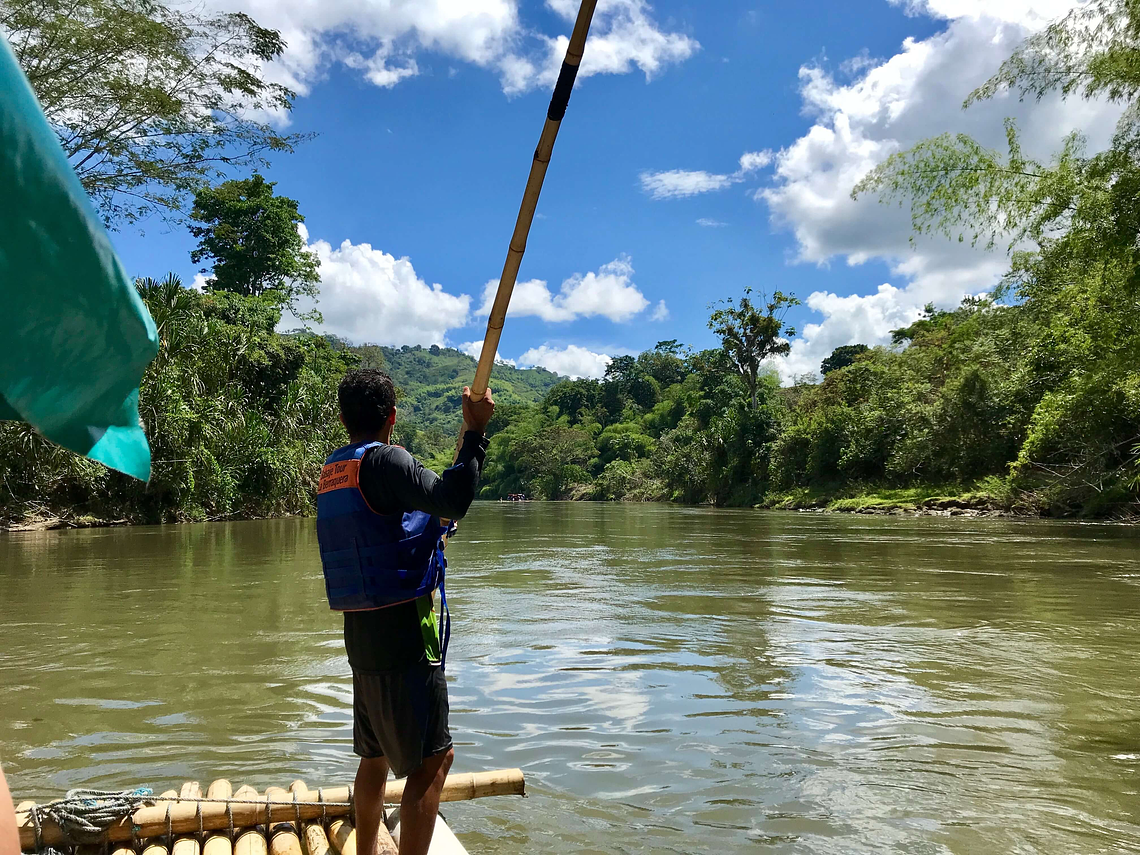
368,795
9,835
420,803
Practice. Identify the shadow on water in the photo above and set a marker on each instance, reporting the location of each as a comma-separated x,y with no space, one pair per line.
670,679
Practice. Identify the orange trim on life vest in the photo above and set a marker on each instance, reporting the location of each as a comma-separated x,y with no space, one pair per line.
338,475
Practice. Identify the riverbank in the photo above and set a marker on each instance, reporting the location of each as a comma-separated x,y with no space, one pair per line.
44,520
992,497
928,500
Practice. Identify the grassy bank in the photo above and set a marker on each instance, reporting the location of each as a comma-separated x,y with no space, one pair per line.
991,496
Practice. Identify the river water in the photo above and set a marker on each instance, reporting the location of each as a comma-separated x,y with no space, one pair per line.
670,679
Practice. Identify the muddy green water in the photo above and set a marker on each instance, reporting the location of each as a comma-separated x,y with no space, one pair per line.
670,680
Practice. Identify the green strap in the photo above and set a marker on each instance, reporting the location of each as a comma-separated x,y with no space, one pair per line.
74,335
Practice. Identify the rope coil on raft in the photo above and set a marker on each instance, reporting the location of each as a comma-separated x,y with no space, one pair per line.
84,815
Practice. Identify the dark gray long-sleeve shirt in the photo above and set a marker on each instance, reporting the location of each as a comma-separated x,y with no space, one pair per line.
393,481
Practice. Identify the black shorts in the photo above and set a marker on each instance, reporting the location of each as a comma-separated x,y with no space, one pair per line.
400,715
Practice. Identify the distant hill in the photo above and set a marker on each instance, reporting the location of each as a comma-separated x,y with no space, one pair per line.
430,380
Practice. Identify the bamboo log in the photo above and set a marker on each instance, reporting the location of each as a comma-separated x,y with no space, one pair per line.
188,845
151,821
283,836
316,841
165,802
219,844
251,842
343,837
313,833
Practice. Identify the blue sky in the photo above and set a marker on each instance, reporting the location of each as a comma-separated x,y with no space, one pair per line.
427,113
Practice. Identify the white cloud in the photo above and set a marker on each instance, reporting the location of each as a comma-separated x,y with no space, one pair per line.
660,313
1033,14
679,183
368,295
623,36
889,106
710,223
750,161
475,348
609,293
381,39
571,361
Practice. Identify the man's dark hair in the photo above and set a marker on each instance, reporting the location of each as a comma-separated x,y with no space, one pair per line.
367,397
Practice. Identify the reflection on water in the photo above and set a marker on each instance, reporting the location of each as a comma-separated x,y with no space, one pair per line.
670,679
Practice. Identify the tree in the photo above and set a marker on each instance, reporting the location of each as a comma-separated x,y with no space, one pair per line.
571,397
664,363
627,383
149,102
553,460
841,357
749,336
1075,263
251,237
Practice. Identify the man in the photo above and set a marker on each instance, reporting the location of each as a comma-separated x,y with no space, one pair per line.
378,524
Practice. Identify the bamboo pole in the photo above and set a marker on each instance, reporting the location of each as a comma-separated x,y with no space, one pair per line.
219,844
542,154
151,821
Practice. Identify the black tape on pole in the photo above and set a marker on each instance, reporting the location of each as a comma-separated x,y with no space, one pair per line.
562,90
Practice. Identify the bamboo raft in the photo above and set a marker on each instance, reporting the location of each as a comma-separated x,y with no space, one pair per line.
293,821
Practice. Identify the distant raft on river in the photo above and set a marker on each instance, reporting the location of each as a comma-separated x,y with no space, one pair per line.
294,821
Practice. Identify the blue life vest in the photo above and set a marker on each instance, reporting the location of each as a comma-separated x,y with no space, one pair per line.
374,560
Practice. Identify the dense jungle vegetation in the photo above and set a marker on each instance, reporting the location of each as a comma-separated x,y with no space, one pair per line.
1026,399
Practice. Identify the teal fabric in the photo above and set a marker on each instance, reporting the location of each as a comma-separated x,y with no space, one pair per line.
74,335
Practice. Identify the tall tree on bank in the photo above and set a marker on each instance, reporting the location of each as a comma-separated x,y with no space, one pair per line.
250,236
750,336
149,102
